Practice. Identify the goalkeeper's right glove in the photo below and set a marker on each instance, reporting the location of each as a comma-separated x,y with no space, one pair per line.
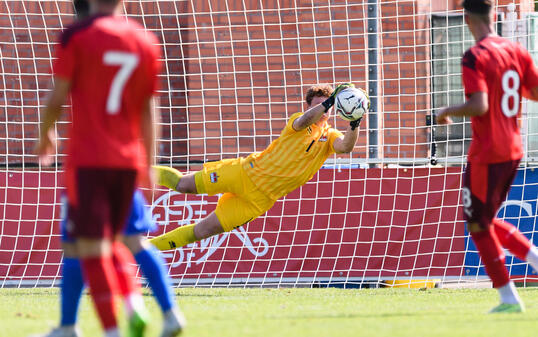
355,124
329,102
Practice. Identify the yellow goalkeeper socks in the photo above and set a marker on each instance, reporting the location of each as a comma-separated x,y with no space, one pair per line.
167,176
179,237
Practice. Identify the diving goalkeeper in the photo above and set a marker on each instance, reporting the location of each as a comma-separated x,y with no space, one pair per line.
251,185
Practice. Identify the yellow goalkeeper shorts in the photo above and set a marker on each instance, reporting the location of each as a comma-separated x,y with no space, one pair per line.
241,201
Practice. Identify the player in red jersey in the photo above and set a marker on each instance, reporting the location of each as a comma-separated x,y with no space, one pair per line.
109,66
496,73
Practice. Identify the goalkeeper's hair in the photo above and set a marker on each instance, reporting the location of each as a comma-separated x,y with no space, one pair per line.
318,90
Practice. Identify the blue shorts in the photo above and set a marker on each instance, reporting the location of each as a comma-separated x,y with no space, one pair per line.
140,220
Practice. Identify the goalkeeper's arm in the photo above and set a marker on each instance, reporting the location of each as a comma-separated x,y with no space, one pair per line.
346,143
313,114
310,117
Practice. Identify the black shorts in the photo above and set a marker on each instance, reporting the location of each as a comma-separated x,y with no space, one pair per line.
104,198
485,187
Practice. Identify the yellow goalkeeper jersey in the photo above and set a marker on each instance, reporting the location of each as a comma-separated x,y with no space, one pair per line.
292,159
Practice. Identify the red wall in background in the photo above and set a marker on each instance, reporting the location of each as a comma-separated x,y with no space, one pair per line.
350,223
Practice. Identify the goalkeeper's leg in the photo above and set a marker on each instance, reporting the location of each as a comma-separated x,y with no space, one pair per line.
184,235
175,180
241,202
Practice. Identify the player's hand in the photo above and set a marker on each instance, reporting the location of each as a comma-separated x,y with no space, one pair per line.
355,124
442,117
329,102
45,148
341,87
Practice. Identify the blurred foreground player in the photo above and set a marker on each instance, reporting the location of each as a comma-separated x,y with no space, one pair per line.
109,66
150,261
496,73
252,185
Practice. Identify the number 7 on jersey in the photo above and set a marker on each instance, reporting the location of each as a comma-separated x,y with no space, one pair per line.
127,63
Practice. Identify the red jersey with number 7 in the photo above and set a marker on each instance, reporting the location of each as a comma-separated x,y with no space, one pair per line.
504,70
112,65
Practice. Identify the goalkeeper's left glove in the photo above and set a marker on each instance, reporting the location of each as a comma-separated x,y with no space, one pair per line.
355,124
329,102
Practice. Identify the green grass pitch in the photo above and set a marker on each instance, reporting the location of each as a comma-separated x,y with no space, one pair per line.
298,312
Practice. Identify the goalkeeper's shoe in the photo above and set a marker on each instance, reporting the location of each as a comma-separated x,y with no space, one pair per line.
137,323
173,324
167,176
506,308
70,331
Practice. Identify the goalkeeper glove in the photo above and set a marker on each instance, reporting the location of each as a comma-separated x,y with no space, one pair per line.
329,102
355,124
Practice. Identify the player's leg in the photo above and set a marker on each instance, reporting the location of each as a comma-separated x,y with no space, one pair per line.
233,210
90,219
70,294
99,272
103,199
72,281
152,265
129,288
490,250
481,199
182,236
175,180
71,288
517,243
225,176
216,177
121,192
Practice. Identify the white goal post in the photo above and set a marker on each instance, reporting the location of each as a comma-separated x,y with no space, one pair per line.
233,71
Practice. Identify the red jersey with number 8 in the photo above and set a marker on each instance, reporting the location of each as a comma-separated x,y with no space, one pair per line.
504,70
112,65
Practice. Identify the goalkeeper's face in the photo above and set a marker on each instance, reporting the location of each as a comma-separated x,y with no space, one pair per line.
318,100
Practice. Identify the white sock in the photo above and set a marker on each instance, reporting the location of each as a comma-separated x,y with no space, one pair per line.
175,314
509,294
134,302
114,332
68,328
532,258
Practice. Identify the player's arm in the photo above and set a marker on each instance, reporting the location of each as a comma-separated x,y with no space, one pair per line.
313,114
310,117
476,90
346,143
476,105
530,77
531,94
50,115
150,131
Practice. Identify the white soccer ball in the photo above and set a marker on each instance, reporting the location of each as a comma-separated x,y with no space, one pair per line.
351,104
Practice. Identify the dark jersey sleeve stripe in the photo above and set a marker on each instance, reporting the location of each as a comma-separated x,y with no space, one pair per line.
75,28
469,60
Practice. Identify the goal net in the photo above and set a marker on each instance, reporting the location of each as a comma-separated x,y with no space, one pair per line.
233,73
